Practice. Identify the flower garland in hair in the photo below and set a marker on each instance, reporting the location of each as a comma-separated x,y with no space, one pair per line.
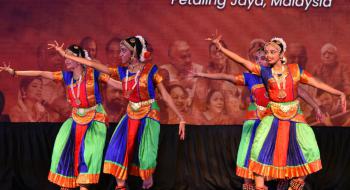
86,54
144,53
280,40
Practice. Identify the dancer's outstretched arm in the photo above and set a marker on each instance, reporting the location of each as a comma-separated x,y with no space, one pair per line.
167,98
95,64
217,76
45,74
323,86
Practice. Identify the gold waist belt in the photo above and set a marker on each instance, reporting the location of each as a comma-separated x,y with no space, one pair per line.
284,111
84,115
137,105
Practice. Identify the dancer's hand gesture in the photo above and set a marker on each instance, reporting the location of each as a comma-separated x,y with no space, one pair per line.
215,39
7,68
182,129
58,48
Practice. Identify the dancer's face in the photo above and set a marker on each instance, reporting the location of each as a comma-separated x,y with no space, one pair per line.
272,54
125,54
216,102
260,58
70,64
180,98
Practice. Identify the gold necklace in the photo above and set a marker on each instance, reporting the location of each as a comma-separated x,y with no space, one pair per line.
136,80
280,79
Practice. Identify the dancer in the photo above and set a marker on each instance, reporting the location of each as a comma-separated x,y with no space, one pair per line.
133,146
256,109
284,145
78,150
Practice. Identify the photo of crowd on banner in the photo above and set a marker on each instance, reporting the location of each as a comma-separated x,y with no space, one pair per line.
200,100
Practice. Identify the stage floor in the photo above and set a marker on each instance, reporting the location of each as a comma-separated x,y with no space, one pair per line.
205,160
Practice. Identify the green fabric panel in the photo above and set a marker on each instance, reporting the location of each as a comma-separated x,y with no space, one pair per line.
60,142
251,107
149,144
94,142
244,143
307,142
100,109
155,106
260,136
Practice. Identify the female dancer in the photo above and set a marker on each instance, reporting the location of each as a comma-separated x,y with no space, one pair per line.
284,145
256,109
133,146
78,150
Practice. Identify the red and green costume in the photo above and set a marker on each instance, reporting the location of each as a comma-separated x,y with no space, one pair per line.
285,145
78,150
134,145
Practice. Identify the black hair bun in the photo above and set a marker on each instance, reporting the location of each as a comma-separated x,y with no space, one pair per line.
77,50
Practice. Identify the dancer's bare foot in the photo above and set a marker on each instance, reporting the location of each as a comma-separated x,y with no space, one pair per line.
261,188
120,188
84,187
120,184
147,183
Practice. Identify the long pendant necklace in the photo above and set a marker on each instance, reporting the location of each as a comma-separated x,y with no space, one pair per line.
280,78
136,79
76,97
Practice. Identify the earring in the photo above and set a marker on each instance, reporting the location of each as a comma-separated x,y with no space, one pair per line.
284,60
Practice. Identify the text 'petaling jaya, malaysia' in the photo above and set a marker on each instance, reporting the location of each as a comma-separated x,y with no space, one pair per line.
248,4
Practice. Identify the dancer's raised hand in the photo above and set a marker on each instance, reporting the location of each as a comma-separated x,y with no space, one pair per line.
57,47
215,39
7,68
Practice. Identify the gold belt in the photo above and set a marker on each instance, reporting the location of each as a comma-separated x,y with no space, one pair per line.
284,111
84,115
137,105
260,108
261,111
82,111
